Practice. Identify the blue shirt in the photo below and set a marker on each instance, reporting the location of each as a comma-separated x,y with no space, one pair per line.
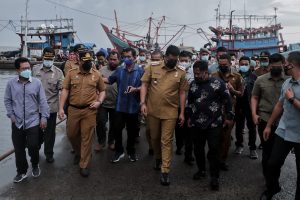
25,102
127,103
289,125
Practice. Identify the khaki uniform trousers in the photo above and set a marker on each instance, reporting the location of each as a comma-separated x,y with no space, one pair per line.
80,129
162,134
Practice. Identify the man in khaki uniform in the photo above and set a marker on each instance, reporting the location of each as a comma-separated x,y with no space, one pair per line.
74,64
234,83
165,85
86,91
51,78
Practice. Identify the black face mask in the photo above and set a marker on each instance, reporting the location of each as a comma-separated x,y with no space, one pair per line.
200,80
224,69
171,63
87,65
275,72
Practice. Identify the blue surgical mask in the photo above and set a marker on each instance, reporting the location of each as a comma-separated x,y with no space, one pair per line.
205,58
128,62
264,64
244,68
26,73
48,63
142,58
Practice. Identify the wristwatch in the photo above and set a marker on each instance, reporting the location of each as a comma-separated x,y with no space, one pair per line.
291,100
142,103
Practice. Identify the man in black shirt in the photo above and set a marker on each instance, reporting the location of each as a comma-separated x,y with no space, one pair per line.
206,99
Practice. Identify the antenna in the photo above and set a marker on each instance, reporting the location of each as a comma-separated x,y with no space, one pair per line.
25,50
275,9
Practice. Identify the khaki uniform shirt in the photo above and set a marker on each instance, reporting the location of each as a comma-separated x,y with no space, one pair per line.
163,90
52,82
260,71
267,90
83,87
70,65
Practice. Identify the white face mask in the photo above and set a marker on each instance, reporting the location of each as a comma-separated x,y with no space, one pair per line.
48,63
186,65
205,58
142,58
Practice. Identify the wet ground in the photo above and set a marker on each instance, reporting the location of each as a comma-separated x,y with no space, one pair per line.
126,180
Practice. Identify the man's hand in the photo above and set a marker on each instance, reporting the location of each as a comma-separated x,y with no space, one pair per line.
228,123
230,87
144,109
181,119
267,133
189,123
131,89
289,93
256,119
43,124
61,114
95,105
13,119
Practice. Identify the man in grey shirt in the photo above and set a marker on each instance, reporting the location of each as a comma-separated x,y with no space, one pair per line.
27,107
287,132
107,109
51,78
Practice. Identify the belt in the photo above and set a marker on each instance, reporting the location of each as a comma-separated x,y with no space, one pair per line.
79,107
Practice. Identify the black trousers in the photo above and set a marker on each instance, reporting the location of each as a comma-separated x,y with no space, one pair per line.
183,136
103,115
267,145
25,138
243,112
279,153
49,135
132,127
213,138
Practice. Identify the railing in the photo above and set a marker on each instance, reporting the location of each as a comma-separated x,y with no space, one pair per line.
11,151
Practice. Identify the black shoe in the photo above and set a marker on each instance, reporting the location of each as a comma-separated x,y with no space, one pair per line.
132,157
224,166
117,157
49,159
36,172
157,164
189,160
214,184
165,179
178,152
76,160
151,152
199,175
267,195
19,178
84,172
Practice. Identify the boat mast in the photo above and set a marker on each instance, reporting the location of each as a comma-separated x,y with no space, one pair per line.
159,26
24,52
149,31
230,24
117,25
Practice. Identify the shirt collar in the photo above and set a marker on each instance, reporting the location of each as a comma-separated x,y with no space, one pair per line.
136,66
270,77
30,79
294,81
46,69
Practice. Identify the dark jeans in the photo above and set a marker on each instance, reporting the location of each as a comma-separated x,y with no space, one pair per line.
49,135
103,114
243,112
213,138
267,145
280,151
132,127
183,137
25,138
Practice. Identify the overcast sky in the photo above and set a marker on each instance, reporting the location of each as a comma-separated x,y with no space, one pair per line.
195,13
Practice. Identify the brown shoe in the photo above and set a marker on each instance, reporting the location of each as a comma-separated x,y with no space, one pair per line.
111,147
98,147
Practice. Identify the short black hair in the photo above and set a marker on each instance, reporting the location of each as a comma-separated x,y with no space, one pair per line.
142,51
221,49
264,54
294,57
20,60
49,50
157,52
133,52
201,65
244,58
114,53
172,50
185,54
225,56
100,53
276,57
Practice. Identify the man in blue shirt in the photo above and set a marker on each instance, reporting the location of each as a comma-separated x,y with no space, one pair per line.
27,107
287,132
128,79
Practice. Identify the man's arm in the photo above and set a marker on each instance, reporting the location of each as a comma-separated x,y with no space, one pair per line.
143,94
8,103
254,103
44,107
63,98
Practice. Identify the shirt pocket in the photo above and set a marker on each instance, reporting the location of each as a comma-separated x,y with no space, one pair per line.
52,85
75,83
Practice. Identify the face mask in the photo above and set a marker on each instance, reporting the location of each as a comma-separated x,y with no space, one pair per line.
200,80
244,68
128,62
26,73
275,72
264,64
205,58
224,69
171,63
186,65
142,58
48,63
87,65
